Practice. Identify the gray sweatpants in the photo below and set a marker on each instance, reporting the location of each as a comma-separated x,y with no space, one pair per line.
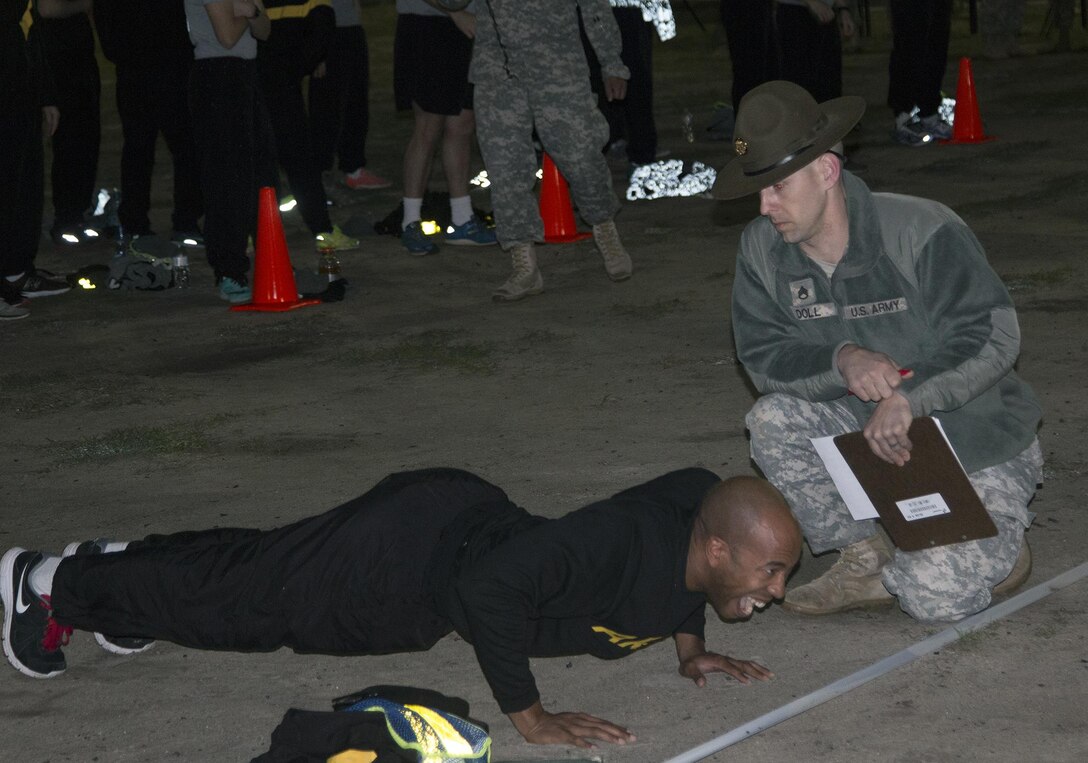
938,584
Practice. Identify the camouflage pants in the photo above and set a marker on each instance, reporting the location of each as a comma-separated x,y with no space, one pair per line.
939,584
572,130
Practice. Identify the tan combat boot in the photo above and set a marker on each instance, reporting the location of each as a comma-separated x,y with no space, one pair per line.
525,279
617,262
852,582
1020,572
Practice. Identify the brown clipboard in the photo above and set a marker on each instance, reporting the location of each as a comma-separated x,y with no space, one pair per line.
899,491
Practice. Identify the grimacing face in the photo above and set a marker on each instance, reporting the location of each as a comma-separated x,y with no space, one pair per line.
796,204
752,575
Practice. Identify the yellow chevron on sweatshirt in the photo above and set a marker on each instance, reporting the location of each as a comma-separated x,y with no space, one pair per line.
295,9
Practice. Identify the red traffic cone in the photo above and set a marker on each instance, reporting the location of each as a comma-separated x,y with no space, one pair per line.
555,208
967,125
274,288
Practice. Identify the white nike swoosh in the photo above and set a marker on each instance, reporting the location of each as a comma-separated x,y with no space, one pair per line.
20,605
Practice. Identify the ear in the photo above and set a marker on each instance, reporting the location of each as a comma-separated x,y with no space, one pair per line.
717,551
830,169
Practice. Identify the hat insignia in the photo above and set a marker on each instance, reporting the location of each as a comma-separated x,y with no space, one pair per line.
740,146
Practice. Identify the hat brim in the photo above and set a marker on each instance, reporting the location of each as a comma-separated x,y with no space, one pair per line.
842,114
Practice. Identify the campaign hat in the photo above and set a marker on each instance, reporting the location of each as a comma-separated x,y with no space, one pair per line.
780,129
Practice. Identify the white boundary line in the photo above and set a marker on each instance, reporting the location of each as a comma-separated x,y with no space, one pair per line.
888,664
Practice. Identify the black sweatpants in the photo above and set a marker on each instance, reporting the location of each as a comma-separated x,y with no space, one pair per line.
234,142
340,102
749,30
150,100
809,52
349,581
919,57
282,89
633,116
21,174
70,53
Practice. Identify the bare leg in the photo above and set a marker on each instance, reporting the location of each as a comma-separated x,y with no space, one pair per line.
457,137
420,151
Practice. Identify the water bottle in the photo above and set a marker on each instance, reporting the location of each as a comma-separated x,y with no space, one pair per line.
687,126
120,248
328,265
181,267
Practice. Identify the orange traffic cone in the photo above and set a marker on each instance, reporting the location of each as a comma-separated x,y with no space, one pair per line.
967,125
273,279
555,208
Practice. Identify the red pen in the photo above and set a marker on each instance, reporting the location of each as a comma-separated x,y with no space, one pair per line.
902,372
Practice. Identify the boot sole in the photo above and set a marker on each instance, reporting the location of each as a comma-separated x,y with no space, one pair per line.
864,604
516,297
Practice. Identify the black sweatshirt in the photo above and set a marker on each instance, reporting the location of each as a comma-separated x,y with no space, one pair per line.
605,580
302,32
141,33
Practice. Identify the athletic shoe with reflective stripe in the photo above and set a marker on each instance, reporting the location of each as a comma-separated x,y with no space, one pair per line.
123,645
335,239
32,638
471,233
416,241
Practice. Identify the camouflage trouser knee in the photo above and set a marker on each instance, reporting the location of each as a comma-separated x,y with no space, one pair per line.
780,427
944,583
952,582
573,132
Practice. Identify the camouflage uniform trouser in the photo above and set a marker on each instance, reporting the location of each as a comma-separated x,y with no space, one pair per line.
573,132
939,584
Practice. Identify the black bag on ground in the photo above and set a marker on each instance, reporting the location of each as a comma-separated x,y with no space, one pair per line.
313,736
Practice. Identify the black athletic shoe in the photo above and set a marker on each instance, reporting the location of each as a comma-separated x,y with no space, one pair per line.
42,283
32,638
123,645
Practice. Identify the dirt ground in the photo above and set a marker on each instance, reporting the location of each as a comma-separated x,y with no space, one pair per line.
131,412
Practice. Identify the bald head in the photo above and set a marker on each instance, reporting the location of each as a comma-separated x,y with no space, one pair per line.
735,508
744,545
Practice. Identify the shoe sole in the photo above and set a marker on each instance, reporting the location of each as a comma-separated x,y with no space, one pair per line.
15,317
469,242
112,648
517,297
378,187
421,252
619,277
48,293
7,595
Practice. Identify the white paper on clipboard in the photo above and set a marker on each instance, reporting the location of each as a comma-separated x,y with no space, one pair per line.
843,476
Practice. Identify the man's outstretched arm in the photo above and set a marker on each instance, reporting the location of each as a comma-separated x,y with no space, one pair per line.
696,662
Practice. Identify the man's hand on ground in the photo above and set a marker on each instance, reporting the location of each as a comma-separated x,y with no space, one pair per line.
578,729
697,666
886,430
871,376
